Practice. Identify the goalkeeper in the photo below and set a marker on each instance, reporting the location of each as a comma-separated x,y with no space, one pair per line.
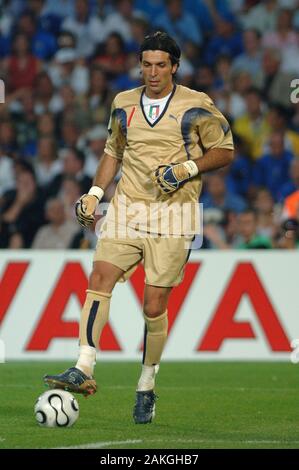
164,136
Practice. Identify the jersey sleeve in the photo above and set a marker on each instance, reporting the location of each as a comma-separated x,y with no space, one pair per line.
117,135
212,127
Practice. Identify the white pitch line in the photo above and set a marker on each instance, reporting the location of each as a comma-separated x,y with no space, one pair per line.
101,444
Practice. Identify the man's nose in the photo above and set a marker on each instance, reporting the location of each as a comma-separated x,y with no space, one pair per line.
153,70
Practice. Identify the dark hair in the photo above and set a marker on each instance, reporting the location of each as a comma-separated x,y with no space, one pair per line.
79,155
249,211
254,31
254,91
160,41
25,166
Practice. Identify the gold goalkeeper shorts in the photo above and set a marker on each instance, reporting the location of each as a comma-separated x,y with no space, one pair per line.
164,259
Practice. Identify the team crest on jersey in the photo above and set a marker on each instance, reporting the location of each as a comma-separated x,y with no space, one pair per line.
154,111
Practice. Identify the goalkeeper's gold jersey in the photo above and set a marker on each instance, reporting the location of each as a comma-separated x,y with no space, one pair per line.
189,125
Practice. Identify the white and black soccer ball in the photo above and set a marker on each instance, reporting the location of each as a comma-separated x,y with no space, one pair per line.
56,408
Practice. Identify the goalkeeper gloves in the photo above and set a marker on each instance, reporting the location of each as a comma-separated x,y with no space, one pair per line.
86,206
171,177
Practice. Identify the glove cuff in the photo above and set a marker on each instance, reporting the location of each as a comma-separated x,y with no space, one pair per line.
97,192
191,167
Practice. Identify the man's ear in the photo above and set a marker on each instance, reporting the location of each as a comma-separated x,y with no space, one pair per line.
174,69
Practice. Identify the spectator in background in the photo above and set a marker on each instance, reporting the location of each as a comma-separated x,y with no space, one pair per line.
151,9
283,37
179,24
223,74
291,206
6,22
273,83
49,23
73,165
292,184
271,171
205,13
251,59
192,54
25,123
139,29
120,20
66,70
70,192
59,232
43,44
93,146
88,29
232,101
7,180
278,120
248,231
203,79
99,96
221,233
47,166
288,237
130,78
75,116
266,214
262,17
8,140
112,59
295,115
253,127
46,126
21,212
70,133
62,8
239,177
227,40
66,40
46,100
218,197
21,67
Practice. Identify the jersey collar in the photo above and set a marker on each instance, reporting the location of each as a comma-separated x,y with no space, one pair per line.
164,110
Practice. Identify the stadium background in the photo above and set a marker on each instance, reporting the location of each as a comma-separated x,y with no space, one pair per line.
62,62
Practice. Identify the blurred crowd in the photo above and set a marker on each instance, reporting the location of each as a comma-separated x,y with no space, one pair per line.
63,61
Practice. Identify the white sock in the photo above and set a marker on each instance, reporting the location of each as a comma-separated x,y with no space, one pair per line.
87,359
147,378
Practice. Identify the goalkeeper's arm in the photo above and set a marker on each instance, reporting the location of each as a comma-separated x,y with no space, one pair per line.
173,176
87,204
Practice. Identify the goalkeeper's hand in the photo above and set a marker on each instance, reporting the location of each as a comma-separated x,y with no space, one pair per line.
171,177
87,204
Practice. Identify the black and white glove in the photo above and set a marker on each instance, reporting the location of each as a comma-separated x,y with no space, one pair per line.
87,204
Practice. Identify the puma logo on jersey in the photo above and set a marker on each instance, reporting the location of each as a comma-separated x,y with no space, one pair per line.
173,117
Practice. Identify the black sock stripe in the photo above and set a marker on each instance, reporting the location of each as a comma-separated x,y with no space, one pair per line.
144,343
92,315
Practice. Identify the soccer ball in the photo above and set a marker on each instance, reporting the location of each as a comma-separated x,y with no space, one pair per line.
56,408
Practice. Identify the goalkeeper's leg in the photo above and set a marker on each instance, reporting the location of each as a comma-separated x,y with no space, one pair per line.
94,317
155,335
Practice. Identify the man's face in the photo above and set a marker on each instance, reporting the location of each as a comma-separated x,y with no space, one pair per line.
247,225
157,72
277,144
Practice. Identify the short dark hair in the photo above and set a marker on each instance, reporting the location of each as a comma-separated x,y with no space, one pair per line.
161,41
254,91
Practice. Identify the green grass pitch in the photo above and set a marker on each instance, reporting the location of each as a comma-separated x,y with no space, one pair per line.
201,405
